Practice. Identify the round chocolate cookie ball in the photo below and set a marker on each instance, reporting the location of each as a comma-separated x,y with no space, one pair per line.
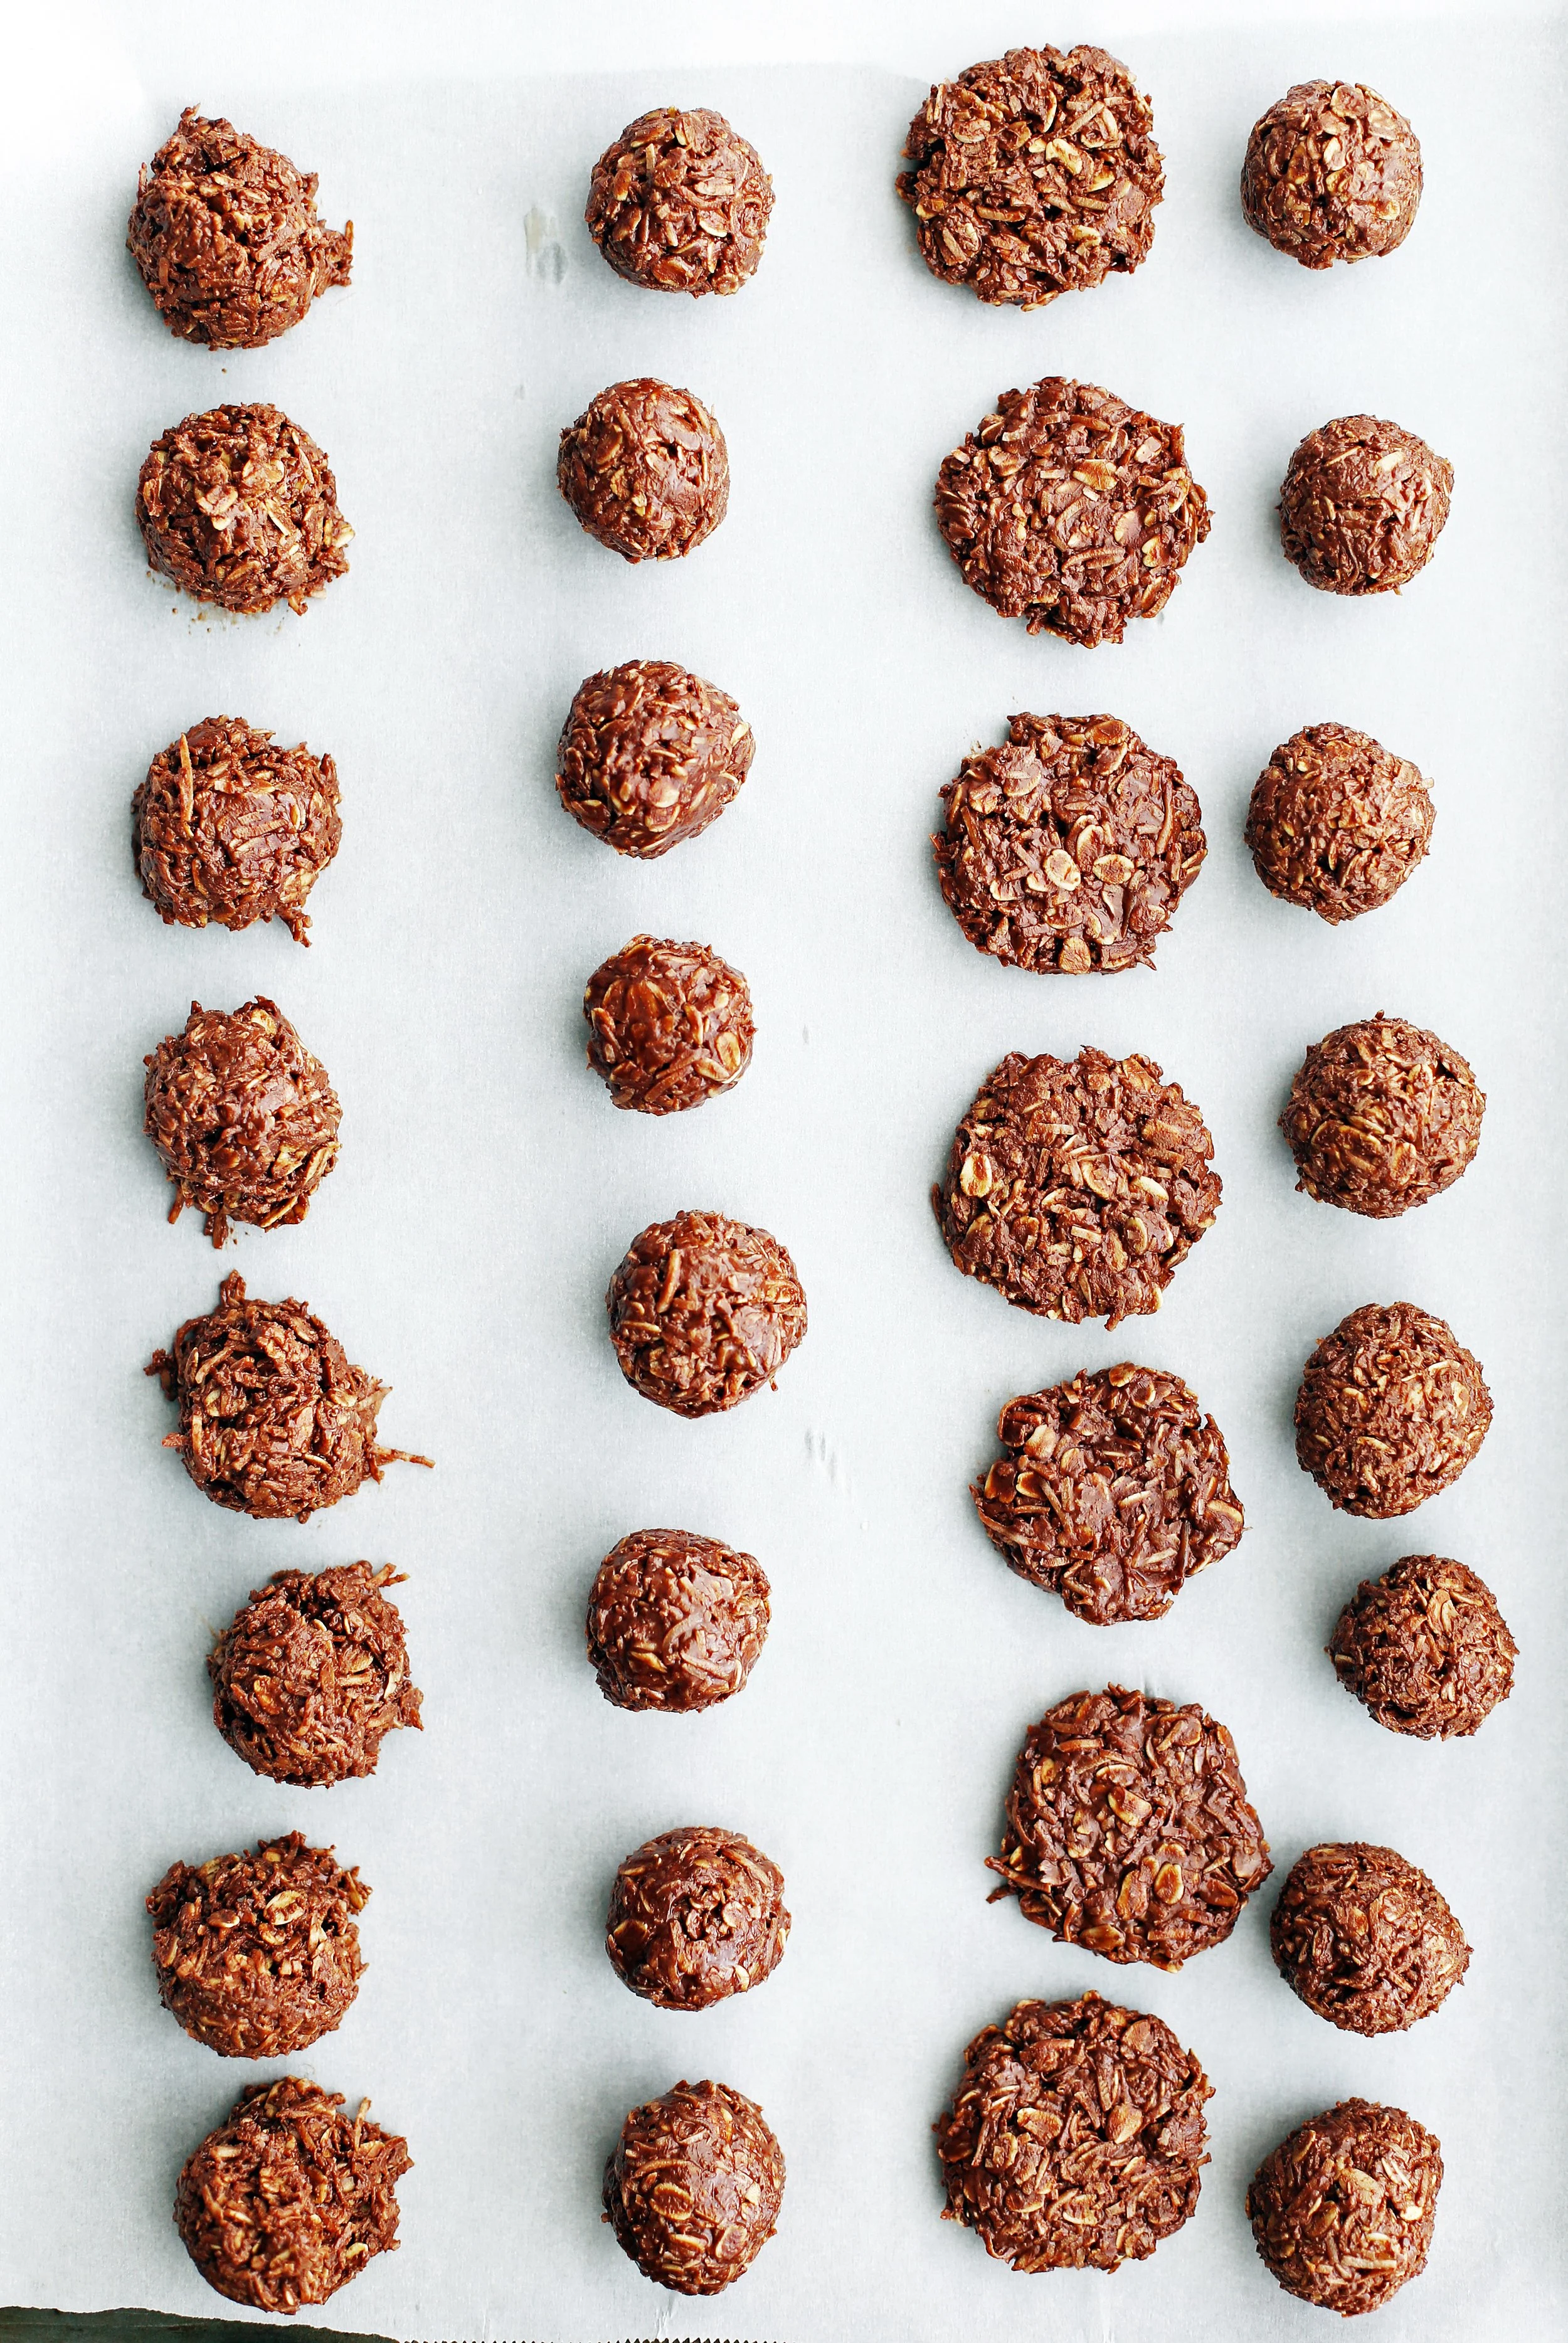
1425,1648
1070,847
225,236
1129,1829
244,1118
288,2200
694,2186
274,1420
696,1916
1076,2140
1362,506
1035,174
669,1025
312,1674
227,829
680,203
703,1312
1071,509
1336,823
646,470
1381,1116
650,755
1078,1187
675,1622
1111,1491
1390,1409
239,507
257,1956
1365,1939
1342,2210
1332,173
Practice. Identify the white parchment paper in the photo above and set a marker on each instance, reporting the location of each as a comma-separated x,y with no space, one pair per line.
487,1187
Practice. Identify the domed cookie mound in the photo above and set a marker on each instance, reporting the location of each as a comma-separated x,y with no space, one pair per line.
703,1312
239,507
1381,1116
1390,1409
1362,506
1342,2211
1425,1648
312,1674
244,1118
694,2186
225,236
669,1025
650,755
227,829
1076,2140
646,470
1365,1939
675,1622
680,203
1332,173
1336,823
1035,174
288,2199
257,1956
1129,1829
695,1915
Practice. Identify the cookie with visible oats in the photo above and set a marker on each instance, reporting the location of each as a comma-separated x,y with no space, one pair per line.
225,828
1383,1116
1076,2140
257,1956
1342,2211
1365,1939
239,507
680,203
1336,822
1112,1491
646,470
695,1915
669,1025
1424,1648
1332,173
1070,847
1129,1829
311,1674
693,2188
1071,510
1035,174
675,1622
703,1312
244,1119
1390,1409
1362,506
650,755
1078,1186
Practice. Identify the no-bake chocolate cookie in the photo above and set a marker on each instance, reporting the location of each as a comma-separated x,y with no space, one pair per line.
1070,847
680,203
288,2200
1365,1939
1390,1409
274,1420
650,755
675,1622
669,1025
1336,823
646,470
703,1312
1381,1116
1129,1830
1035,174
1078,1187
227,829
257,1956
225,235
244,1119
1342,2211
312,1674
1362,506
1076,2140
1071,510
694,2186
239,507
1425,1648
695,1915
1112,1491
1332,173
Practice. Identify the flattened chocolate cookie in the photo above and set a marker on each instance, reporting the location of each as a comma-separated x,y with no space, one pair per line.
680,203
257,1956
1112,1491
1362,506
1129,1830
675,1622
1070,847
1035,174
1383,1116
1071,510
1332,173
694,2186
1078,1187
1336,823
1365,1939
1390,1409
1424,1648
1342,2211
1076,2140
695,1915
646,470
